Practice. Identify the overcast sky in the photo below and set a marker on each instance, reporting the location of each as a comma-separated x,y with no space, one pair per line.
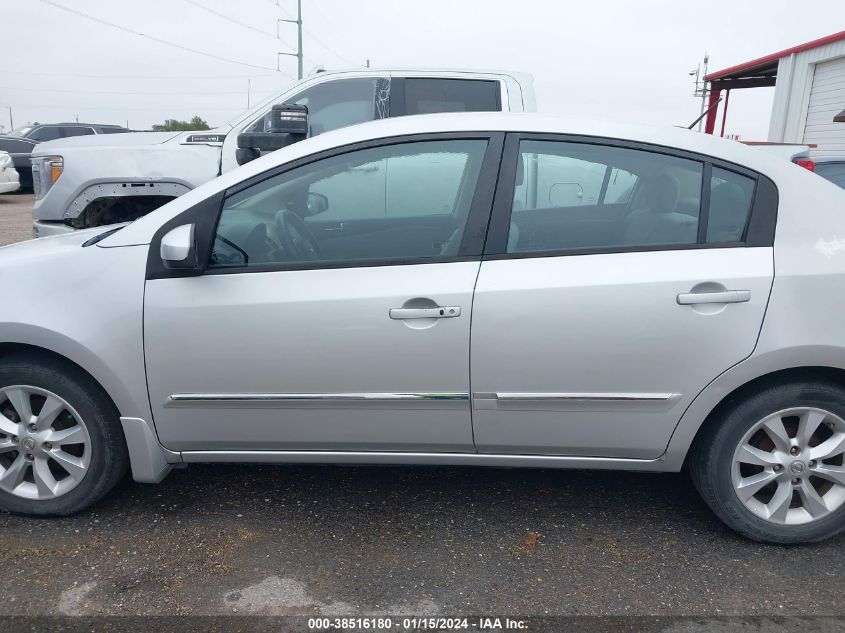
606,59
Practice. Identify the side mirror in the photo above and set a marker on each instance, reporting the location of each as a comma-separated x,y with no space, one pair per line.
317,203
287,124
245,154
179,248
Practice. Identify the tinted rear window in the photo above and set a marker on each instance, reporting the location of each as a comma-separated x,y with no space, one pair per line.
48,133
78,131
425,96
834,172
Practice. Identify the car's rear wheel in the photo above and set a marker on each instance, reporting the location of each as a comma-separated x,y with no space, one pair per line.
61,445
773,468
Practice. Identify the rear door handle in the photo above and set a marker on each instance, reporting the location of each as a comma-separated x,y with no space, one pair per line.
444,312
727,296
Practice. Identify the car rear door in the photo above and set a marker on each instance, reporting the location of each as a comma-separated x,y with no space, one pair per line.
619,279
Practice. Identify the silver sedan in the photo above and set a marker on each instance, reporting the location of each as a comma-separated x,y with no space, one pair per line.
479,289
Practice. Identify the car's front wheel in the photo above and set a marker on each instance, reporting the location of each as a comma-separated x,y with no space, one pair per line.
772,468
61,445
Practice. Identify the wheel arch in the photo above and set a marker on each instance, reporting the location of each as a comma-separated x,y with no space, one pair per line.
129,399
8,349
149,461
821,363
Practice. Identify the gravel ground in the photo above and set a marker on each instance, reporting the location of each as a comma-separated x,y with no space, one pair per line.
340,540
15,217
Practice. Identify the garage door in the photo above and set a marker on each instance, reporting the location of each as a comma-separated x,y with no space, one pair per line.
827,99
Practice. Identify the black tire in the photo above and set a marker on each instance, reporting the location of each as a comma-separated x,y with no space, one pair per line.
712,455
109,456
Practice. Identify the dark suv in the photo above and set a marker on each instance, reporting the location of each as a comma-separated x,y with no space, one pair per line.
39,132
20,141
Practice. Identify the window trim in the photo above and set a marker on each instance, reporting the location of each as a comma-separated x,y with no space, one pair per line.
760,224
206,214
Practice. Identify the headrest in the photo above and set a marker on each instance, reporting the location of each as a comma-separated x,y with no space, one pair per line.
664,193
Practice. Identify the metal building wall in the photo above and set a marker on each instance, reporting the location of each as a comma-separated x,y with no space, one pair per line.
792,91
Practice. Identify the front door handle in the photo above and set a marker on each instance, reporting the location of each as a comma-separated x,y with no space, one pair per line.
727,296
444,312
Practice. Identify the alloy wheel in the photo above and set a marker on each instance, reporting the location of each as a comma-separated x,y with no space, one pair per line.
788,468
45,448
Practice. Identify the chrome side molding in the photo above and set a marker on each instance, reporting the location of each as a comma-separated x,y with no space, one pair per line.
601,397
563,401
433,400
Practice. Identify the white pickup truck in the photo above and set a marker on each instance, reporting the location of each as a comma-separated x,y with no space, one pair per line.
91,181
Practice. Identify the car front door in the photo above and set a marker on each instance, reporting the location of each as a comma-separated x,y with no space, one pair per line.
334,311
619,280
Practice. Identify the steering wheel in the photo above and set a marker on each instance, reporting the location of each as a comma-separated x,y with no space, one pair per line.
295,236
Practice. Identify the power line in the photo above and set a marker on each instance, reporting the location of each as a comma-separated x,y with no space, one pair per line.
234,21
280,8
317,8
310,34
326,47
153,38
122,76
122,92
326,18
120,108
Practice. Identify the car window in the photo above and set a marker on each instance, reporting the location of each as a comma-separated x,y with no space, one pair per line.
15,145
426,96
21,131
584,196
730,204
77,131
47,133
395,202
335,104
834,172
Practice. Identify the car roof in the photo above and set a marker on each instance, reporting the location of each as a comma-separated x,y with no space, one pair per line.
665,136
829,159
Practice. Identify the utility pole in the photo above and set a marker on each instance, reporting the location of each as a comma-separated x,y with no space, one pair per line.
701,86
248,80
11,123
298,54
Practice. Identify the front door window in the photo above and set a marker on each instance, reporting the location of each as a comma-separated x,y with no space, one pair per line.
391,203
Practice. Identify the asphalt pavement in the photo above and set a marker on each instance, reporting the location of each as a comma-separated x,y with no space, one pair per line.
277,540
